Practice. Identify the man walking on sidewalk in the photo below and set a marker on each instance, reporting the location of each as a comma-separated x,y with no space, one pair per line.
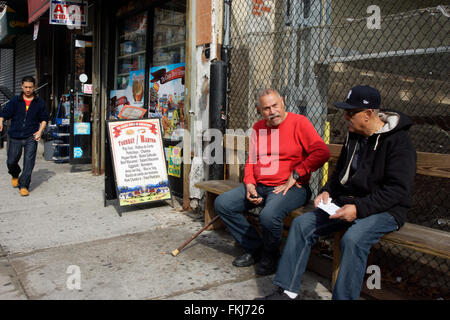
29,116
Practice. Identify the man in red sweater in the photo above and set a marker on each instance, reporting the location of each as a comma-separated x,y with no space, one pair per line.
284,150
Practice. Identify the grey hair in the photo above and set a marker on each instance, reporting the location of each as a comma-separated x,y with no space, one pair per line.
264,92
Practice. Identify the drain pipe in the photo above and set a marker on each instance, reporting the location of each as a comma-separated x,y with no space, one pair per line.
226,51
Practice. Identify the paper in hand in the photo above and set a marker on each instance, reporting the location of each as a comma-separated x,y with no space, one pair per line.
328,207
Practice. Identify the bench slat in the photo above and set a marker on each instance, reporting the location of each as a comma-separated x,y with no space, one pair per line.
217,186
420,238
433,164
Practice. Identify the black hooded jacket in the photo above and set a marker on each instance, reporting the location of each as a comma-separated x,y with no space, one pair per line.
24,123
384,179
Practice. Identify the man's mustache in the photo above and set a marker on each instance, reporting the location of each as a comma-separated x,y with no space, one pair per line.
273,116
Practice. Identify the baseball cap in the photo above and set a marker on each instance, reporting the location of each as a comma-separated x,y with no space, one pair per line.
361,97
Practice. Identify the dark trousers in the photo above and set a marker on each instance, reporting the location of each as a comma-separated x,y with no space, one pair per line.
15,147
231,205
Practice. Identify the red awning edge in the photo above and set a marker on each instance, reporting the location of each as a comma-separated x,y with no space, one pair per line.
37,8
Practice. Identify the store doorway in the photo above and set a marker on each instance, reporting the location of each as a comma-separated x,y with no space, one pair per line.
80,150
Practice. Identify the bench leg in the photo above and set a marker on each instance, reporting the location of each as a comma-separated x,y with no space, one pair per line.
336,256
210,213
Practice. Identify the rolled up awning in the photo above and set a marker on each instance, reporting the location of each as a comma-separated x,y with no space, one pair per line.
11,24
37,8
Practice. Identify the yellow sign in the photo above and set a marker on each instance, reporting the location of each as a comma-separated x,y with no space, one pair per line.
174,161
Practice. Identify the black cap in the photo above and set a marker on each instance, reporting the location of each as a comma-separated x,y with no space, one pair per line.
361,97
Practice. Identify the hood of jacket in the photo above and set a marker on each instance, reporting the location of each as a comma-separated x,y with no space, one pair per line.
393,121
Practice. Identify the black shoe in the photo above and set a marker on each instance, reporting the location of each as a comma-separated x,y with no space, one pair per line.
245,260
268,263
277,295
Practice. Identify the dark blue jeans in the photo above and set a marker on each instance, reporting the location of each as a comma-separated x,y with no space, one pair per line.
231,205
15,147
355,247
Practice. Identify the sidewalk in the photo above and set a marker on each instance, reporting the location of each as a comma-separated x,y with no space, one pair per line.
63,227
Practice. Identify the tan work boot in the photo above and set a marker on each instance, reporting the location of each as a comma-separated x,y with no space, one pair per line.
24,192
15,182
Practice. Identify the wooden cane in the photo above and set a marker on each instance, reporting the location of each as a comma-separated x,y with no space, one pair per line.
177,251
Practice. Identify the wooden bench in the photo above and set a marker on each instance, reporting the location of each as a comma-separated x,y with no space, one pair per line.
412,236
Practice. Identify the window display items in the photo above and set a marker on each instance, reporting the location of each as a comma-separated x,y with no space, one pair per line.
81,109
131,95
65,110
117,101
131,49
138,90
167,97
130,112
169,37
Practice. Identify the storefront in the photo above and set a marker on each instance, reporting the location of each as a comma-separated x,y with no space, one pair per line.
17,50
149,72
61,45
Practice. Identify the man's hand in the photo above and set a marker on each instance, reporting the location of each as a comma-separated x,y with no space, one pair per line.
37,135
323,196
347,212
286,186
252,195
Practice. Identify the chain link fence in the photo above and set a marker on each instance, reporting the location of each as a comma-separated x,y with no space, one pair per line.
314,51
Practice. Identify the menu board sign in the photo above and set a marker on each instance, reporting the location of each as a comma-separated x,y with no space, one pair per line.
138,161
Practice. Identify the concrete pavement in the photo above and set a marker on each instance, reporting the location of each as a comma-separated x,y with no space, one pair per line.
62,243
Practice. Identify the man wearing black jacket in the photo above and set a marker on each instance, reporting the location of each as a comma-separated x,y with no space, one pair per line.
29,116
372,185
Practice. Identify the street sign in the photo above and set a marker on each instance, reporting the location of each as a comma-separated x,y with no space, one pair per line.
69,13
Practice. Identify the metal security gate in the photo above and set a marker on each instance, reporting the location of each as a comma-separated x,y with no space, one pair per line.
25,60
7,69
314,51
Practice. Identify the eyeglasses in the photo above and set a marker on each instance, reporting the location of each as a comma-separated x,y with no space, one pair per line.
351,112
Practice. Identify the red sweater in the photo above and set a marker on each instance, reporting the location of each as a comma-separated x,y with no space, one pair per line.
275,152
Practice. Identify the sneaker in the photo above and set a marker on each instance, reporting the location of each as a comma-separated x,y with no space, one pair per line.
24,192
15,182
277,295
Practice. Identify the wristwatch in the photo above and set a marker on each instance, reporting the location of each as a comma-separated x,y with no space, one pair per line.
295,175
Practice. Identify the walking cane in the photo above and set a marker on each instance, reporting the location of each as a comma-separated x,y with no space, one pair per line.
177,251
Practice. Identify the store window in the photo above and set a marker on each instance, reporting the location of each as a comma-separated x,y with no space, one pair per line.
167,71
131,49
150,66
169,39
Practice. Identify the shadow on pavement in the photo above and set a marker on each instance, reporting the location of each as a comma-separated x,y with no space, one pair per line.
40,176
